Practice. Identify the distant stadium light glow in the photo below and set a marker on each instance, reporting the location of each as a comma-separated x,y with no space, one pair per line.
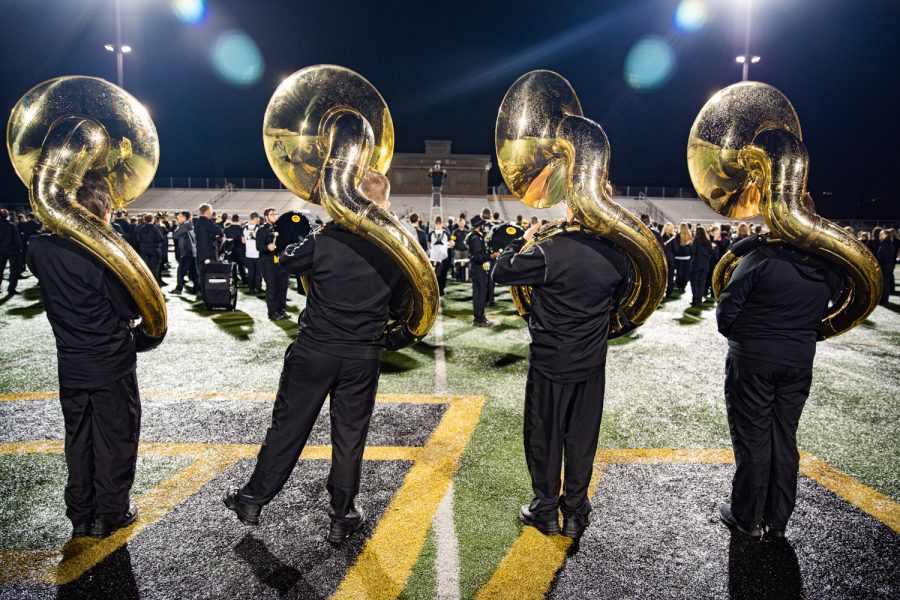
649,64
189,11
690,15
236,58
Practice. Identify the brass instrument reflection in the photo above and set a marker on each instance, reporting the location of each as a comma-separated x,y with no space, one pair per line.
69,128
324,128
548,152
746,157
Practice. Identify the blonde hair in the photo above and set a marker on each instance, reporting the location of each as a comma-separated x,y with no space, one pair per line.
743,229
668,229
685,236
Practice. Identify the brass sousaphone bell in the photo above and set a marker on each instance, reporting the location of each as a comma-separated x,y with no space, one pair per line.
746,157
69,128
548,152
324,127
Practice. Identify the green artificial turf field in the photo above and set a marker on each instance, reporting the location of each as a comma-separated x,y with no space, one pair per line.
449,418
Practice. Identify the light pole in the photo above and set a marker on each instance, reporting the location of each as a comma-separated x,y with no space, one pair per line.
746,58
118,48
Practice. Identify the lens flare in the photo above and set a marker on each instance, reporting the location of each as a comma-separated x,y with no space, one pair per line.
237,59
649,64
191,12
690,15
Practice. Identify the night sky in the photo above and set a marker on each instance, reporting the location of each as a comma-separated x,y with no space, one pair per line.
443,68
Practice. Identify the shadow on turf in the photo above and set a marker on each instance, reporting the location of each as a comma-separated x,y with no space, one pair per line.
112,578
762,569
694,314
270,570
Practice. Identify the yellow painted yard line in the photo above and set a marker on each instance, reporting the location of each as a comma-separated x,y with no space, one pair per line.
260,396
78,556
25,565
528,569
521,575
388,557
876,504
152,505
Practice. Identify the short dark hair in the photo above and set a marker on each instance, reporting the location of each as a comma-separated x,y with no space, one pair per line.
235,218
148,218
645,219
413,218
4,214
268,210
254,215
95,197
186,214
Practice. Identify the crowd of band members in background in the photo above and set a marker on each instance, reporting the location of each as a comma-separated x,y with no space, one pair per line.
692,250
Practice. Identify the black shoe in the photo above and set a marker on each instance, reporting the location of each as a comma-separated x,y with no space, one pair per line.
482,323
546,527
728,518
80,530
492,304
572,527
341,530
106,526
248,514
775,534
176,292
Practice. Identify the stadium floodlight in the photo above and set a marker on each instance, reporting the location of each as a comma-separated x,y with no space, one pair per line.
126,49
110,48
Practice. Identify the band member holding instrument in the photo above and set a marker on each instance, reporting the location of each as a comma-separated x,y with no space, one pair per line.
338,353
90,312
577,281
276,279
479,263
771,312
773,289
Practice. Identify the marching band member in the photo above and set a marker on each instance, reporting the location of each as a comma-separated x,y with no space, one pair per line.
353,289
577,281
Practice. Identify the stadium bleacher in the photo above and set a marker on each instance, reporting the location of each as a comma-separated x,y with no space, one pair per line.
243,202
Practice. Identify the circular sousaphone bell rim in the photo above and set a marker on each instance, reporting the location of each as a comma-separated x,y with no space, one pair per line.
292,134
525,136
133,156
728,123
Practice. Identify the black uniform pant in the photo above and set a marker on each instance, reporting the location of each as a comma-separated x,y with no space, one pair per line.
670,276
441,272
307,378
764,402
103,425
491,289
152,260
682,273
562,418
241,261
15,269
480,283
254,274
698,283
187,267
277,280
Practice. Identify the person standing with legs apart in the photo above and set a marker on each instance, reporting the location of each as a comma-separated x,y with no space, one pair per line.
276,279
577,280
353,289
479,263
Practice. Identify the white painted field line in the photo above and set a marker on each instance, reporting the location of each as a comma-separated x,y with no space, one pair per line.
446,560
440,362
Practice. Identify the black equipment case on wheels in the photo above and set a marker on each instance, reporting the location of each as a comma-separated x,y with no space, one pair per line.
220,286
